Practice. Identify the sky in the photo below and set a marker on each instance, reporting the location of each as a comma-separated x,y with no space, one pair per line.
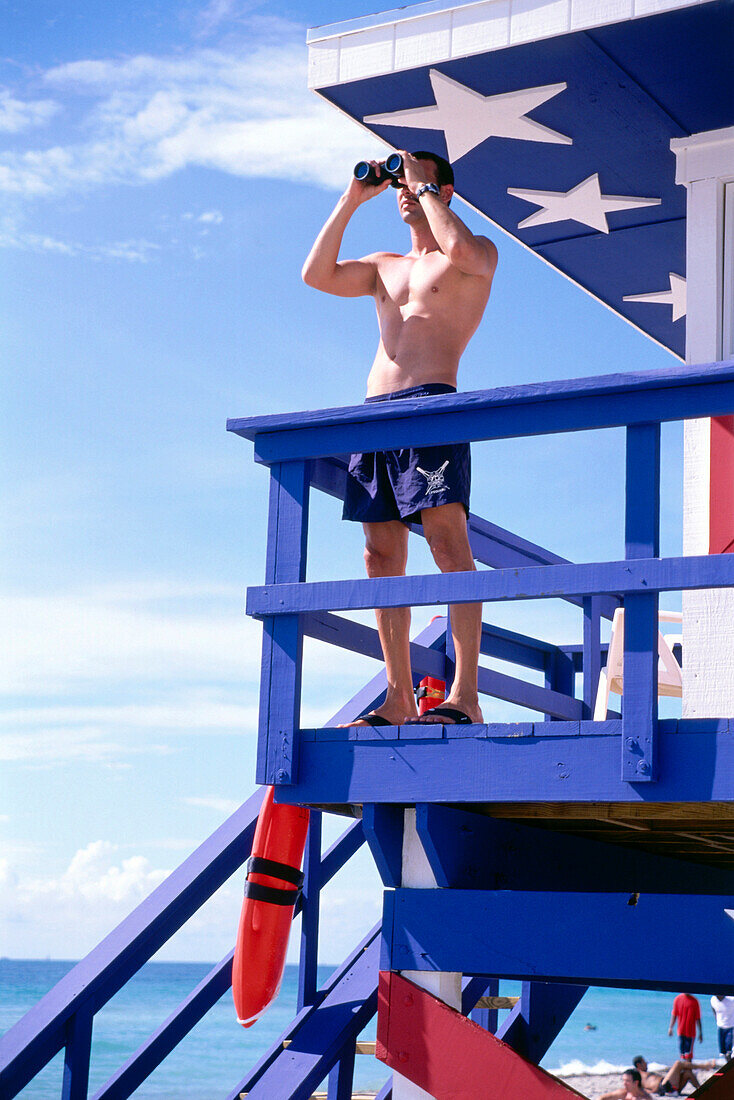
164,170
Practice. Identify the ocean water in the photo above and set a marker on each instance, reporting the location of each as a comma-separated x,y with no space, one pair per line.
216,1055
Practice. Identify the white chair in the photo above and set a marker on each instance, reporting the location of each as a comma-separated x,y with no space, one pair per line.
611,677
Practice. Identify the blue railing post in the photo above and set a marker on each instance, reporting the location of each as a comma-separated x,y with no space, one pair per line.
592,651
280,681
642,540
77,1052
312,883
559,676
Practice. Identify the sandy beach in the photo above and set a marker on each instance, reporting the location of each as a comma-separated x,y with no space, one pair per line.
593,1086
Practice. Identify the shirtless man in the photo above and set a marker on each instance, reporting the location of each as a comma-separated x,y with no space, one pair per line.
631,1088
429,303
680,1074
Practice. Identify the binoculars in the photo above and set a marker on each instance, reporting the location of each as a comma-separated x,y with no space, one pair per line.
391,167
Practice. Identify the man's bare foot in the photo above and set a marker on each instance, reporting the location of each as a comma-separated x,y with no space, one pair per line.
386,715
452,712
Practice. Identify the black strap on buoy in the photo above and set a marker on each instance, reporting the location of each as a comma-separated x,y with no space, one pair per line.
258,865
270,893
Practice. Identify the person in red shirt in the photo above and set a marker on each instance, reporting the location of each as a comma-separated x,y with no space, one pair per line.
687,1011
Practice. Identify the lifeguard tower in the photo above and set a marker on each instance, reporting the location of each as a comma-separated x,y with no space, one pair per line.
564,851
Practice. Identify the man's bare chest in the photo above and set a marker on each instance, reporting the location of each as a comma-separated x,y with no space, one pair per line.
430,280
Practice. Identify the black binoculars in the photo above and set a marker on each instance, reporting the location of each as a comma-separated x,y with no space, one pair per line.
392,166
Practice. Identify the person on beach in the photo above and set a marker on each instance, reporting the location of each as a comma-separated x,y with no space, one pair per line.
429,302
723,1010
687,1011
679,1074
632,1088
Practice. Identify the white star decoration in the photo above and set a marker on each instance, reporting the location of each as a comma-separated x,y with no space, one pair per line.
468,118
584,203
675,297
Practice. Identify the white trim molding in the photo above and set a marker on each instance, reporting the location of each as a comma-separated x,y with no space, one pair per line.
704,156
429,33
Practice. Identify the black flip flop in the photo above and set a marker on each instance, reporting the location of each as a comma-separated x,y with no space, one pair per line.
457,717
374,720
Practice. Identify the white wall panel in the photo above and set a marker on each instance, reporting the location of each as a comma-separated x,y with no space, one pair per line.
592,13
533,19
323,64
423,41
366,53
481,27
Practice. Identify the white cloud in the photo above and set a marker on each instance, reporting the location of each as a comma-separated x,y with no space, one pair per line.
137,251
63,913
113,635
211,217
246,112
17,114
225,806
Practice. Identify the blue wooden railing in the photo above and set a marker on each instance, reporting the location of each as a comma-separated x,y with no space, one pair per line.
303,449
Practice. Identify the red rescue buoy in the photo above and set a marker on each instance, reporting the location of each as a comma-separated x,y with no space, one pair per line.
272,887
430,693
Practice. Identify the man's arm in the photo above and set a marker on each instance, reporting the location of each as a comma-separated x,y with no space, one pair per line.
323,270
618,1094
472,255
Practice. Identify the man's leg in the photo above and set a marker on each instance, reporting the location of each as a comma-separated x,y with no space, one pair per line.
446,534
386,555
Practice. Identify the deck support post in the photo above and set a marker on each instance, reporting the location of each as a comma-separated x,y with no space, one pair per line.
487,1017
312,882
642,540
280,679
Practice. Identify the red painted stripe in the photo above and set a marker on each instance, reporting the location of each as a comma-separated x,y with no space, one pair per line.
721,488
449,1056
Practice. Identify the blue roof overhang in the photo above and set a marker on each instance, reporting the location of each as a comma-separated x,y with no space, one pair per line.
622,91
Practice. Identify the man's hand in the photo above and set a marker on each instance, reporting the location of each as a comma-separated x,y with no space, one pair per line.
358,192
414,172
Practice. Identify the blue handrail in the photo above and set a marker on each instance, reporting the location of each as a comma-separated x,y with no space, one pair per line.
306,449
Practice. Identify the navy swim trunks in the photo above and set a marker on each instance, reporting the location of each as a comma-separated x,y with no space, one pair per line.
398,485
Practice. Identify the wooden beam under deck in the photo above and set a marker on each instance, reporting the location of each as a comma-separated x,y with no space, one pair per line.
701,832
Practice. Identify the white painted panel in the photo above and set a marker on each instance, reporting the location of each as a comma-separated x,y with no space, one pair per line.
323,64
423,41
532,19
708,616
480,27
696,461
652,7
592,13
367,53
728,296
417,874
